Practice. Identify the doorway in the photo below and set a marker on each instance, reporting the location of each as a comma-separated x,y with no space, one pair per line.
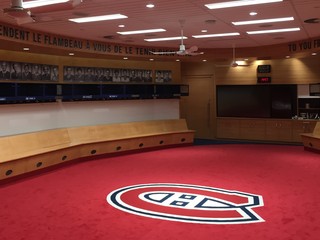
199,107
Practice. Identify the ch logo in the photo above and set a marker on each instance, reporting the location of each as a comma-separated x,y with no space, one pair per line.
187,203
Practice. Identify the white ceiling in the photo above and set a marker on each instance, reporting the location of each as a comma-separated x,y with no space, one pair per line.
167,14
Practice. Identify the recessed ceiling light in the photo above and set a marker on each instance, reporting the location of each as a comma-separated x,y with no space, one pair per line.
125,58
164,39
238,3
204,30
142,31
216,35
71,54
121,26
314,54
204,60
270,20
26,49
151,59
150,5
177,60
253,13
274,30
98,18
40,3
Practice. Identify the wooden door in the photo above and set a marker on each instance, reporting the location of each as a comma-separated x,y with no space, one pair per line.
199,107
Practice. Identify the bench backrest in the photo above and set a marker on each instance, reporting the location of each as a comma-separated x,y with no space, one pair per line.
316,130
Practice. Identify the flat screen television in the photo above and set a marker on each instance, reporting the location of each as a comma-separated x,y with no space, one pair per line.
256,101
243,101
283,101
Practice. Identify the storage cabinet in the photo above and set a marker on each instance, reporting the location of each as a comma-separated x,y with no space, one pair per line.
253,129
228,128
279,130
273,130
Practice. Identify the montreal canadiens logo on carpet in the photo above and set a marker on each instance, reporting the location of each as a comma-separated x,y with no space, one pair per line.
187,203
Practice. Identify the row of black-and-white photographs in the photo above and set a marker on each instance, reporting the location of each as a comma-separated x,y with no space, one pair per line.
163,76
28,71
93,74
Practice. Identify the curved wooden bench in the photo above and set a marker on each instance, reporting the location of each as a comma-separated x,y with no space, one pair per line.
28,152
311,141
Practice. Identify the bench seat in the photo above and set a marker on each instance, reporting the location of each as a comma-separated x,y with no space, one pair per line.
311,141
31,151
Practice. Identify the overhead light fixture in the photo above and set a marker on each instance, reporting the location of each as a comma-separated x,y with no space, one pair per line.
274,30
164,39
253,13
270,20
40,3
238,3
142,31
216,35
98,18
150,5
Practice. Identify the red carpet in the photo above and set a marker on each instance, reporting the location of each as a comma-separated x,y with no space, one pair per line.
70,202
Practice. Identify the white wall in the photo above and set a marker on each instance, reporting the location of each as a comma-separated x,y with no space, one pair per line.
23,118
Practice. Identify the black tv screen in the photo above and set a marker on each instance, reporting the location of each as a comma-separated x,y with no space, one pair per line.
257,101
283,101
243,101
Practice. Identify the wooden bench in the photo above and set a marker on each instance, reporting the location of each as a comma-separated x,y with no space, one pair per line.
311,141
28,152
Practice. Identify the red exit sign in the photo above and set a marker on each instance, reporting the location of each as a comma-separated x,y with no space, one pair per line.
264,79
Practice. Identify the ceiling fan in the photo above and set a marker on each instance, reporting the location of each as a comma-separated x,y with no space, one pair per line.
20,11
234,63
192,51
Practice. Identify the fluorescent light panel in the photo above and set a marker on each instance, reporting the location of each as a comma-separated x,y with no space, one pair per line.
270,20
98,18
164,39
238,3
142,31
274,30
216,35
40,3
